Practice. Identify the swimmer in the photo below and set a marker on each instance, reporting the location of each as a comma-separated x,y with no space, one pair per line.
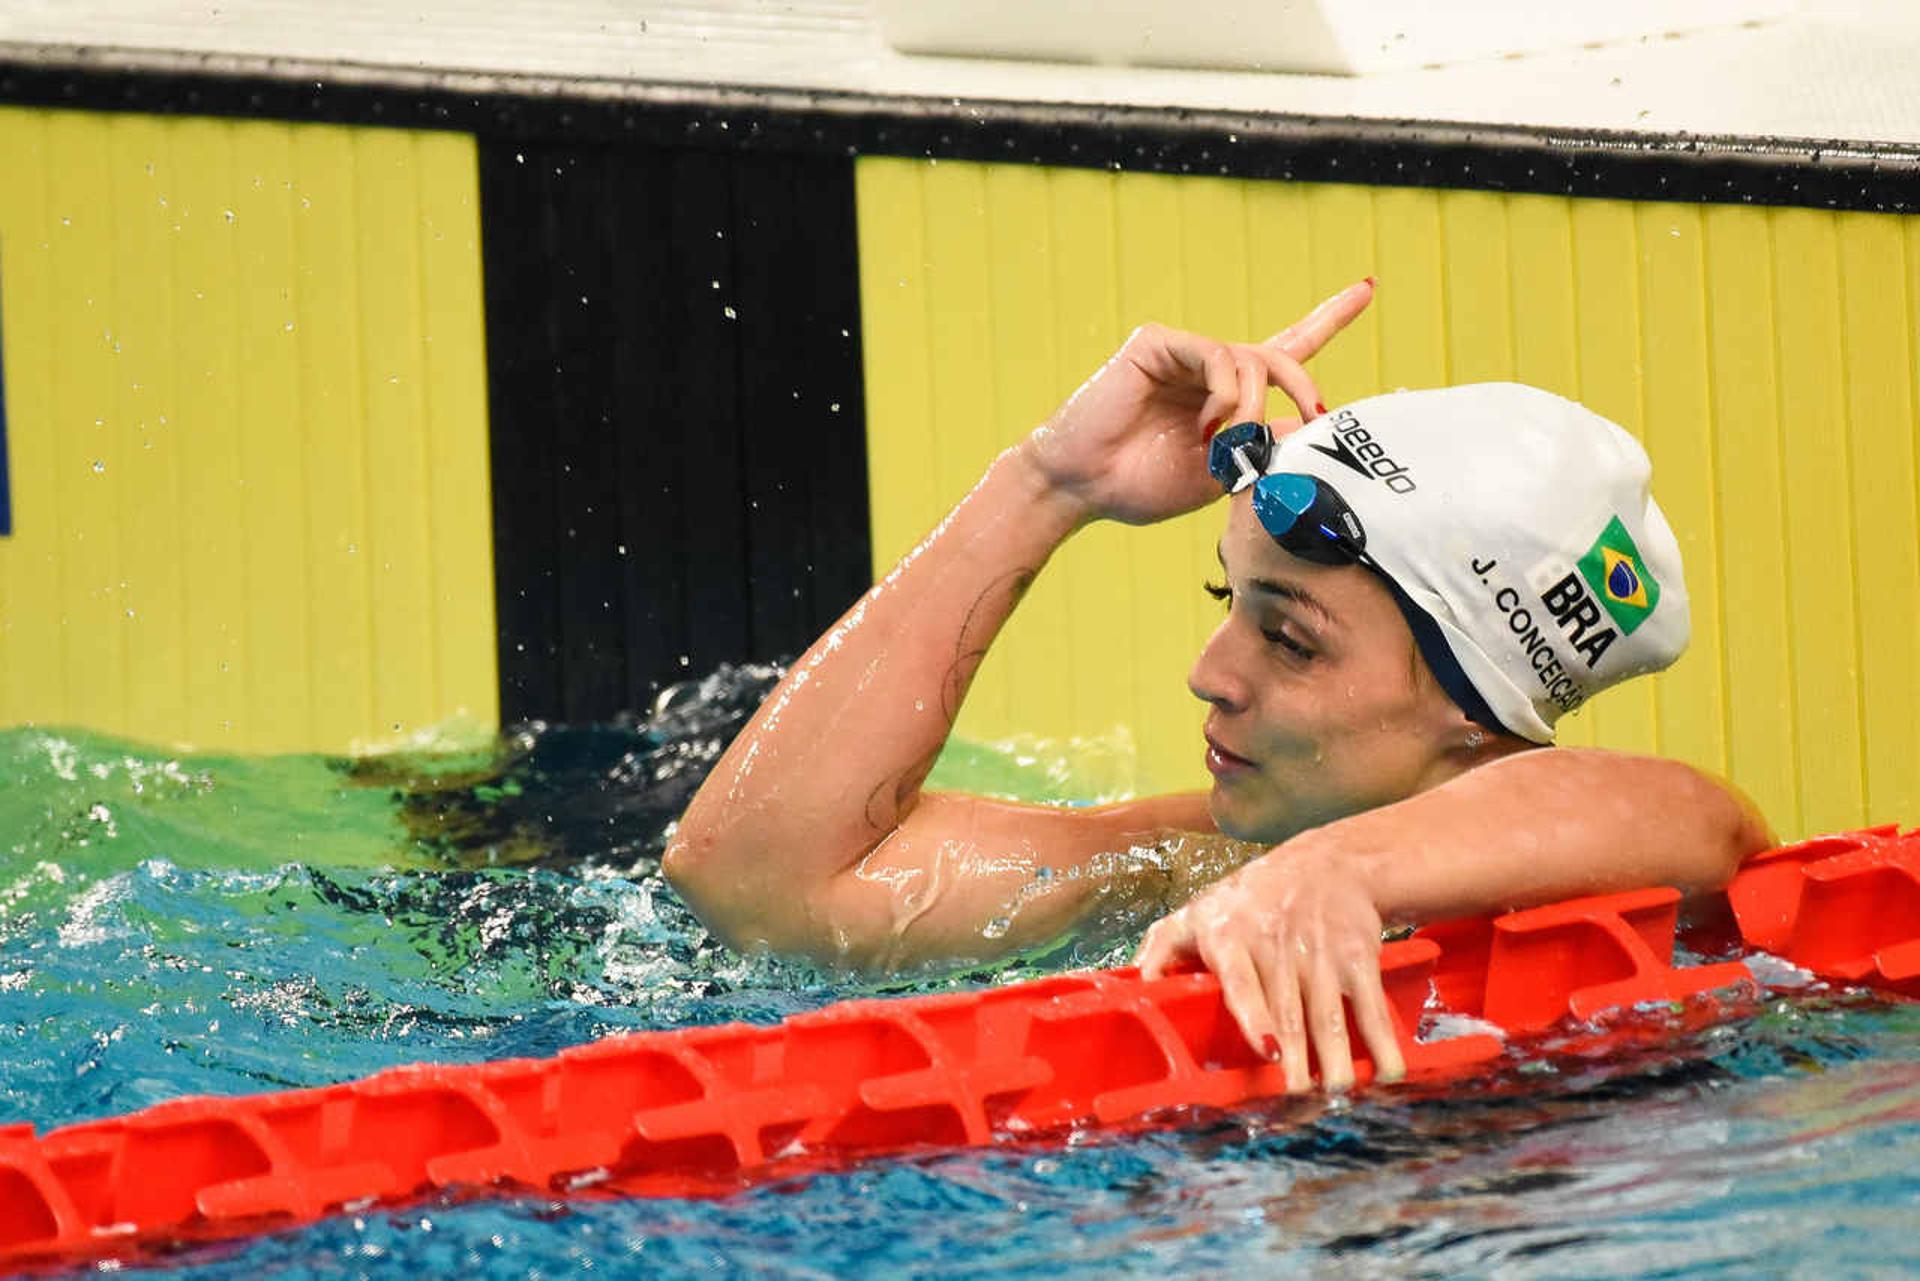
1415,588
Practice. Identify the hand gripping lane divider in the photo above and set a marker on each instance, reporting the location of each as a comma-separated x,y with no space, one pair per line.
704,1110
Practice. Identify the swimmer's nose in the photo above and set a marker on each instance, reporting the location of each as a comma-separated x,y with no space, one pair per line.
1214,677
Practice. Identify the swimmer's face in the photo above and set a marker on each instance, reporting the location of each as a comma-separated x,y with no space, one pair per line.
1321,706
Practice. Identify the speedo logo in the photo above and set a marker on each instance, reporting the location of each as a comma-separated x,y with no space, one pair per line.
1354,446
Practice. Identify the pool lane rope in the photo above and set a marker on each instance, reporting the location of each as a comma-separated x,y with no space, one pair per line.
700,1111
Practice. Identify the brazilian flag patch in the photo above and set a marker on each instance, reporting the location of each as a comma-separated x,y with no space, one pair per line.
1613,568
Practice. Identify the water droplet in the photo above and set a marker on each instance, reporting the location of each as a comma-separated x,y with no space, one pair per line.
730,313
686,660
834,408
98,465
227,214
288,327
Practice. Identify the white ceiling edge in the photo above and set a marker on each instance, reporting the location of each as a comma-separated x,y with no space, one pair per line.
1840,70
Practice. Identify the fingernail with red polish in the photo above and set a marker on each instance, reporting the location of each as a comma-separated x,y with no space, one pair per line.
1318,409
1271,1047
1373,282
1212,427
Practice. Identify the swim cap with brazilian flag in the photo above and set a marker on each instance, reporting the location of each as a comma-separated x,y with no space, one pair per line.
1523,525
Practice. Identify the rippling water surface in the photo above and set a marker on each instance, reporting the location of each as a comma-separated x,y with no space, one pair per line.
180,925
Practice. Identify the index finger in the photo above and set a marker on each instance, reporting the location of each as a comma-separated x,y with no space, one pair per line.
1316,329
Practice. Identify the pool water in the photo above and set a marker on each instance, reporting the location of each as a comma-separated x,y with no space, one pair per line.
176,925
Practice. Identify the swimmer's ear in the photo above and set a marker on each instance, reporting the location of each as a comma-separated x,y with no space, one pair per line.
1317,328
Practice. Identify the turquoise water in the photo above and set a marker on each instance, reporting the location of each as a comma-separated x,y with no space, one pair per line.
180,925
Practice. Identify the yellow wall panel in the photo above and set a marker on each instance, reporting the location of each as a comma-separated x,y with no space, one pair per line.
1879,411
1756,598
81,421
206,393
893,288
246,398
452,374
274,500
332,435
1018,384
1411,334
400,588
142,379
1479,287
1820,548
1675,412
1765,357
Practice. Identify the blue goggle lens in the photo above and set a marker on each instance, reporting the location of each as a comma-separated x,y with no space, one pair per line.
1308,518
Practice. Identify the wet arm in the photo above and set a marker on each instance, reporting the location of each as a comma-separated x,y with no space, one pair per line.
833,762
1297,930
1541,826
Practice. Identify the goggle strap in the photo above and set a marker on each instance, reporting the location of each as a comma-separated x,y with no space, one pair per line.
1433,647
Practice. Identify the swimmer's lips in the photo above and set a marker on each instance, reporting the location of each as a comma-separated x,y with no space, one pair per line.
1222,763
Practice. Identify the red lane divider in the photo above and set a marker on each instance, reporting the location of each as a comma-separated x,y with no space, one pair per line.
1845,907
702,1110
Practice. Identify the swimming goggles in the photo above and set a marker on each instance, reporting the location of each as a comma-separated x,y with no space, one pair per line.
1304,514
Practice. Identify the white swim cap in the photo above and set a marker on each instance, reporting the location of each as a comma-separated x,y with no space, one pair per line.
1522,525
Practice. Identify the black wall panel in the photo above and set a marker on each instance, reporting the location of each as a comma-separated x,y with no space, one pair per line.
679,460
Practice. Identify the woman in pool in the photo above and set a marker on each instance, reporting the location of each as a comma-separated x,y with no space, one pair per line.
1415,588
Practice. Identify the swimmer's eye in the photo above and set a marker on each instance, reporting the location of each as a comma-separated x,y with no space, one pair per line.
1224,594
1288,643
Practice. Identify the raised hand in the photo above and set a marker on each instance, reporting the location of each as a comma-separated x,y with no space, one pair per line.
1131,443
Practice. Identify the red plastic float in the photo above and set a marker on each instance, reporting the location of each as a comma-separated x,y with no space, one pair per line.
702,1110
